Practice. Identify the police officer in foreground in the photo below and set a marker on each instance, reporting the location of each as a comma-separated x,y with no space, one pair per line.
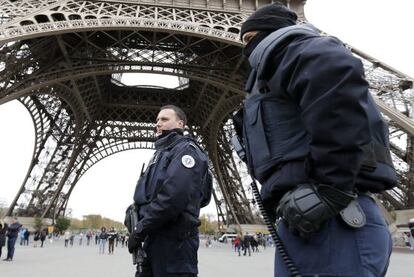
169,195
318,144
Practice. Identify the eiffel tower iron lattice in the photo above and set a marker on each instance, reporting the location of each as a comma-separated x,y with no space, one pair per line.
63,60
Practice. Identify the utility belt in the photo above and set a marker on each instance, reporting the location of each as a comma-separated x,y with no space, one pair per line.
187,234
175,234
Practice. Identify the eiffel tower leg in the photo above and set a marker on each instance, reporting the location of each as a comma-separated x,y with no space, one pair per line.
54,142
410,174
220,215
230,183
58,196
237,190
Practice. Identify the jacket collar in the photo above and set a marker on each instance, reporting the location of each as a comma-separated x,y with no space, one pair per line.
168,139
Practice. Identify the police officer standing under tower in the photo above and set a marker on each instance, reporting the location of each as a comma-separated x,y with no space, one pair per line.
169,195
318,144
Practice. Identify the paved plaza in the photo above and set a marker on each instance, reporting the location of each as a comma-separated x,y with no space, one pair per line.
216,261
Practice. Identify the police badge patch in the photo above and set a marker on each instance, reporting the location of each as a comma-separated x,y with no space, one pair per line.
188,161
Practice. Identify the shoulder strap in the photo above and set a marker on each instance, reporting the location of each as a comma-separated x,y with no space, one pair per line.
193,143
260,54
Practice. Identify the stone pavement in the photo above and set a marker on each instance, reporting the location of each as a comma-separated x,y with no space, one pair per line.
218,261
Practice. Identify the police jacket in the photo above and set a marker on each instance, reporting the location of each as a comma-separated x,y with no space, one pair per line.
175,185
309,117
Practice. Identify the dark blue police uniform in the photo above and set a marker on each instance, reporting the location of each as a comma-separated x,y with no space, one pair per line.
175,185
309,118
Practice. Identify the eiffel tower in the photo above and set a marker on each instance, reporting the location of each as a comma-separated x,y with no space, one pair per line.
64,61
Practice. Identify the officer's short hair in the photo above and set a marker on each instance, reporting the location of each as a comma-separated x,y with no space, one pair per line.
178,111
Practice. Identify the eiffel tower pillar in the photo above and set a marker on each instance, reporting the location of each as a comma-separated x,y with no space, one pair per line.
64,59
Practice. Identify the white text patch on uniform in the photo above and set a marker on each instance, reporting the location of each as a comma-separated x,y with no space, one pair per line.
188,161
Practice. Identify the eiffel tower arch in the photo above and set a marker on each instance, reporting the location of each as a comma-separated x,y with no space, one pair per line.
64,59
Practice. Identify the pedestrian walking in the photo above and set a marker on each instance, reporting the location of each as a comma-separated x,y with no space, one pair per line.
112,236
103,237
36,238
237,244
12,233
80,238
26,237
123,240
3,230
71,239
67,237
411,233
247,244
43,235
88,237
22,236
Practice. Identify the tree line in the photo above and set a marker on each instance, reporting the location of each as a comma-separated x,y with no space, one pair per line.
91,221
95,222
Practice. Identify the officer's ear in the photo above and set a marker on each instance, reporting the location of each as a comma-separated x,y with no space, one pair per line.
181,124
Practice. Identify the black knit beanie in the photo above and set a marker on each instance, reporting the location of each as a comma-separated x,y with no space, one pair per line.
269,18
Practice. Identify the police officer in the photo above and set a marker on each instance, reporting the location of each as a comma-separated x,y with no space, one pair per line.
318,144
169,195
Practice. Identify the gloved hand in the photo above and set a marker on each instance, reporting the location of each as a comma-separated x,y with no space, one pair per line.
134,241
308,206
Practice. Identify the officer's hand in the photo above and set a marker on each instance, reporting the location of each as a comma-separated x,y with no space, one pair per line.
307,207
134,241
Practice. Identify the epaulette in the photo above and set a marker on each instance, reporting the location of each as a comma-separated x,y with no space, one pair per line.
193,145
196,146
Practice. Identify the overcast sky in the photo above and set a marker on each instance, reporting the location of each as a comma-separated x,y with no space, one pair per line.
380,28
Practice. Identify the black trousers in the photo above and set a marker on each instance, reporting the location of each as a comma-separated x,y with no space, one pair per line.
111,246
170,257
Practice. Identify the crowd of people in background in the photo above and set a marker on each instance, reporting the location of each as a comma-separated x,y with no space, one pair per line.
24,236
15,232
244,244
103,239
250,243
